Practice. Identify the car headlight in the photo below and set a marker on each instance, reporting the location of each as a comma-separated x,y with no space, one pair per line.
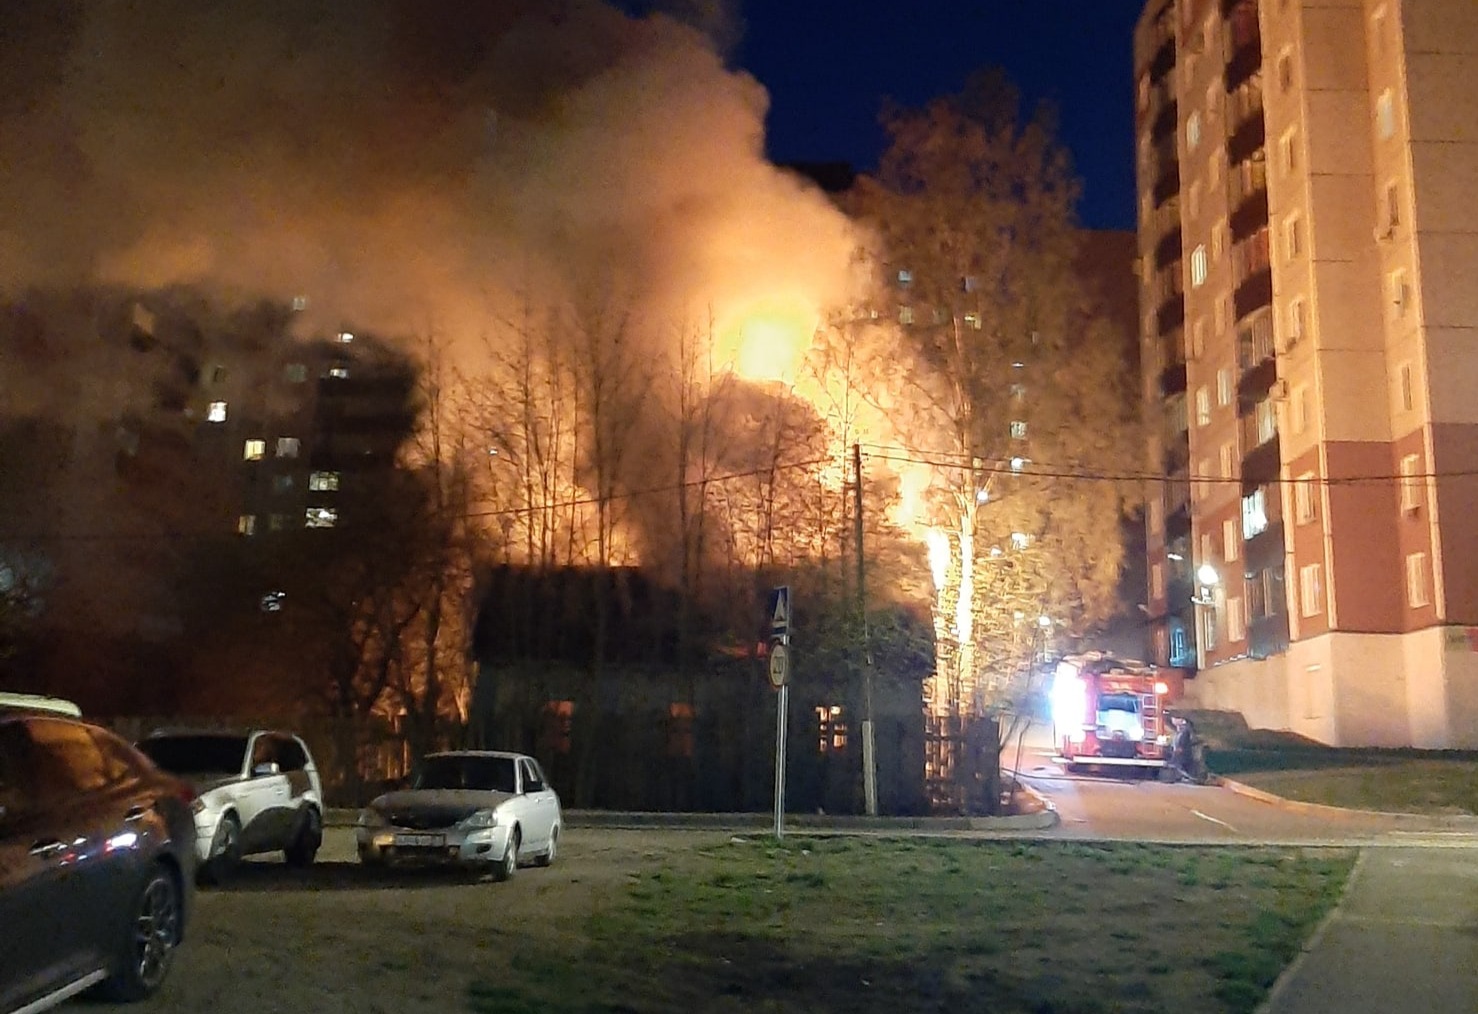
481,819
370,817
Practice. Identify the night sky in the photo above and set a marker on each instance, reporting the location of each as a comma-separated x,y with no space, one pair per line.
829,65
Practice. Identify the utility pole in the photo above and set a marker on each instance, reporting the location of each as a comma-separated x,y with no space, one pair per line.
869,754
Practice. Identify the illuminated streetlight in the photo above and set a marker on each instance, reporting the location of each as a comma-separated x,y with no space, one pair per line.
1207,574
1044,621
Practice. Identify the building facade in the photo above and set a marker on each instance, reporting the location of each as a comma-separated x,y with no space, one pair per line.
1308,316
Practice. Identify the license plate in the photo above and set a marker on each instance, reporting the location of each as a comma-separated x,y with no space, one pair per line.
420,841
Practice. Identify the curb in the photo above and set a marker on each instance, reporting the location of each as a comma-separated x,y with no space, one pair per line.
1291,970
1044,820
1451,821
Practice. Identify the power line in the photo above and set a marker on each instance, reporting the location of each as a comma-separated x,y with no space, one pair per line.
500,512
1031,469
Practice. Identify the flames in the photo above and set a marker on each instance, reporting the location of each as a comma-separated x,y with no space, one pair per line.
769,339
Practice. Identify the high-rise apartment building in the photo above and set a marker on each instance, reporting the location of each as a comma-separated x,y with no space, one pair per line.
1309,328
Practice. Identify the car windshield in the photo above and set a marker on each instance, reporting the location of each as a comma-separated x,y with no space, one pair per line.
194,755
487,774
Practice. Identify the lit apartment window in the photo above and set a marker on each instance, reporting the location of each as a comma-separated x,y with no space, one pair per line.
1405,387
1293,237
1231,540
344,337
1416,581
905,276
1304,492
1018,392
1018,430
1203,406
1228,464
323,482
339,372
1385,114
246,524
1020,540
1311,589
1224,386
1208,628
320,517
295,373
1400,294
253,450
1236,623
288,447
216,413
974,320
1205,548
1254,514
1198,266
831,729
300,303
905,315
1157,580
1267,421
1193,131
1411,483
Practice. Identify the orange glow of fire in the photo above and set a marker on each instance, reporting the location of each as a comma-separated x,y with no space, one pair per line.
769,339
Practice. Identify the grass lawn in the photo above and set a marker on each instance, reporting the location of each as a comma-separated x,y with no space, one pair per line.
886,925
1398,781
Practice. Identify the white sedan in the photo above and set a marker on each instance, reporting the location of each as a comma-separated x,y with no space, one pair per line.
472,807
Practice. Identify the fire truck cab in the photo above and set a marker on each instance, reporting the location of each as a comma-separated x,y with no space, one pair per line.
1109,711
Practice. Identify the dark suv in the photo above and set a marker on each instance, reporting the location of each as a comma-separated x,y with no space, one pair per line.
97,862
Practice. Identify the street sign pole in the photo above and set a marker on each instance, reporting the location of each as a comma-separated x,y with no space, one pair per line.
780,680
782,710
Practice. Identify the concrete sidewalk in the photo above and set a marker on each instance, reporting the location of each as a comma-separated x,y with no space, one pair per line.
1404,938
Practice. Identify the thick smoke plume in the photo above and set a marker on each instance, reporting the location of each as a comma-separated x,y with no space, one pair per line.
405,164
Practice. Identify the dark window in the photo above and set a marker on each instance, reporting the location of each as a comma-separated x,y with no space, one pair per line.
196,755
531,781
65,760
122,761
290,754
12,780
486,774
264,751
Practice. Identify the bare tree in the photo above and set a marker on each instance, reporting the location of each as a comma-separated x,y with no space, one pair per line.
1012,390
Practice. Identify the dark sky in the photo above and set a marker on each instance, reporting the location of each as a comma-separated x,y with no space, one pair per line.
829,64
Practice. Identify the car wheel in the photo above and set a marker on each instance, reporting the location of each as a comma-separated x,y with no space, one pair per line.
547,859
301,850
225,851
147,951
508,865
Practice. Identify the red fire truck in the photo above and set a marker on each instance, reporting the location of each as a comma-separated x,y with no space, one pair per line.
1109,711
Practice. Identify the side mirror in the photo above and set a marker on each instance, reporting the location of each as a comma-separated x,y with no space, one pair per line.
266,769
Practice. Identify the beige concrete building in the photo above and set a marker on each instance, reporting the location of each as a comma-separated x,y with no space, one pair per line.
1308,230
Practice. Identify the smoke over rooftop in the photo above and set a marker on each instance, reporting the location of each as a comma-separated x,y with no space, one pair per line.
403,163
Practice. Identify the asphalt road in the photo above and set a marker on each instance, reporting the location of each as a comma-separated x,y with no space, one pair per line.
1135,807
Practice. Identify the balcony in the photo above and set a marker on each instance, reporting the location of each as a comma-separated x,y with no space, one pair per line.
1260,466
1253,293
1168,250
1171,314
1172,380
1167,184
1164,60
1166,122
1246,62
1247,140
1255,384
1250,215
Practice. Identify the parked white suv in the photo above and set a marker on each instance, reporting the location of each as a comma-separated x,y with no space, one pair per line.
257,791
